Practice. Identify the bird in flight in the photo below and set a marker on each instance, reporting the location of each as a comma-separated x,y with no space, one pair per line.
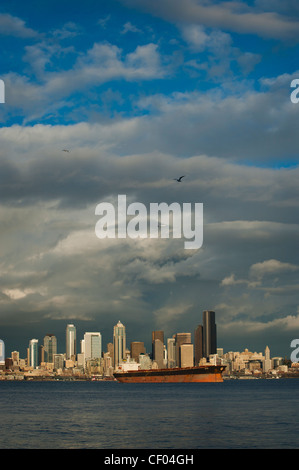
179,180
66,150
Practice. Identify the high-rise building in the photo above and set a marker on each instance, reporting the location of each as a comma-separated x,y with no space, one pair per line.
171,363
50,347
180,338
92,346
137,348
119,344
58,360
110,351
157,335
71,342
158,353
209,333
33,353
2,353
186,355
198,344
267,362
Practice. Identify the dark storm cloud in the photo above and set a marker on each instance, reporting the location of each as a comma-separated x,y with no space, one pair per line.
236,144
61,271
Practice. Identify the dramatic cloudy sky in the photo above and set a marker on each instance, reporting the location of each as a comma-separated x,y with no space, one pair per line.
141,92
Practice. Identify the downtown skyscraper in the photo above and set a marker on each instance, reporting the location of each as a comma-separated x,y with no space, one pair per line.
50,347
33,353
92,345
119,343
2,352
205,337
209,333
70,341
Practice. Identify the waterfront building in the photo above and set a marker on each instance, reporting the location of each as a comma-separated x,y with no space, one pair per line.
267,362
92,346
220,352
80,360
71,342
58,360
145,361
50,347
2,353
276,362
33,353
15,356
119,344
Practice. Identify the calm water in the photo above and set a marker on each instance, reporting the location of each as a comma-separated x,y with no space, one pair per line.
243,414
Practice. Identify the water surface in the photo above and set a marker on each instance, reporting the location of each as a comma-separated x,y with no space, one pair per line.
236,414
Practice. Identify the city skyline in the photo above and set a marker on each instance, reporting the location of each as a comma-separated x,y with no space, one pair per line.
206,342
122,98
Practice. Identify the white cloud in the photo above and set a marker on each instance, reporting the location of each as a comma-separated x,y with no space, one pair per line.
272,266
13,26
129,27
233,16
102,63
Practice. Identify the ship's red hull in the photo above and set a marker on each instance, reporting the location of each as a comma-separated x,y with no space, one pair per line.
177,375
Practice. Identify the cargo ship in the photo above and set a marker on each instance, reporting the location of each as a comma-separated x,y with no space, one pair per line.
204,373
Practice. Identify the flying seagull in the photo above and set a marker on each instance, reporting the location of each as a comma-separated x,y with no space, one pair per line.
179,180
66,150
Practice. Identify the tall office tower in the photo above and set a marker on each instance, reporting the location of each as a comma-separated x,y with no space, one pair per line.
209,333
110,351
41,354
137,347
267,363
92,346
58,360
119,343
180,338
198,344
187,355
157,335
33,353
50,347
158,353
70,342
171,353
2,353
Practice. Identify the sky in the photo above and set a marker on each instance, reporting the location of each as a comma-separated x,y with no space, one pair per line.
141,92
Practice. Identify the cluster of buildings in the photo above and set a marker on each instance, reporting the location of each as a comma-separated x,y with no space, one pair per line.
43,360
